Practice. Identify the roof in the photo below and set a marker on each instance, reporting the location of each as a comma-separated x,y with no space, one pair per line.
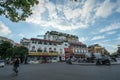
43,40
77,44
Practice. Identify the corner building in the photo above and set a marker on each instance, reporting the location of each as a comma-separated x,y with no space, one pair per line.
55,47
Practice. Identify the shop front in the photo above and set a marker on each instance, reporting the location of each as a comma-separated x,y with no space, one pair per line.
43,57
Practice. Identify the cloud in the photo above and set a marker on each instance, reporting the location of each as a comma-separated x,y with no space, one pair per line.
118,38
82,39
62,15
21,35
112,32
111,27
105,9
98,37
4,30
118,6
68,14
87,8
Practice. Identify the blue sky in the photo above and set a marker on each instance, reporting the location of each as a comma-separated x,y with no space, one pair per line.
93,21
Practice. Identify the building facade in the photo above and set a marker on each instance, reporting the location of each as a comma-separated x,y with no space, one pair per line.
6,39
58,36
97,49
54,47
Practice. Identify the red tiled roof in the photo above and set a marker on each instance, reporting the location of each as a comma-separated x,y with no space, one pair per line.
77,44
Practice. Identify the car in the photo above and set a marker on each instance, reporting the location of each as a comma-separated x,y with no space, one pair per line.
54,60
33,62
2,63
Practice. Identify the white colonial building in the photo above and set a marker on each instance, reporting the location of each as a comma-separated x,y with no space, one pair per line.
54,48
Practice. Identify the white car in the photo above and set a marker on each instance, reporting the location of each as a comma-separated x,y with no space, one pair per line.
33,62
54,60
2,63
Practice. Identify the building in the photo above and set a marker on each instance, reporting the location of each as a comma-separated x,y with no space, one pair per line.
58,36
25,42
6,39
54,46
78,49
45,50
96,48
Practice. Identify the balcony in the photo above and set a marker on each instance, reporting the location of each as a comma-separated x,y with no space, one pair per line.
43,54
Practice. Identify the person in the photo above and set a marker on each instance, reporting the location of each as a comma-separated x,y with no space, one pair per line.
16,64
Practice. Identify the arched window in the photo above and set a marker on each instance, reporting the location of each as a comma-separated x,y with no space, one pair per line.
39,49
45,49
33,49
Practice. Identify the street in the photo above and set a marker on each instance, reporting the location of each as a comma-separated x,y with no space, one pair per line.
61,71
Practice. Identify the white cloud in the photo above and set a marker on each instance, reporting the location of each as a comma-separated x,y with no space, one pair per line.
54,20
82,39
87,8
98,37
118,6
118,38
113,26
105,9
4,30
21,35
118,10
111,32
66,15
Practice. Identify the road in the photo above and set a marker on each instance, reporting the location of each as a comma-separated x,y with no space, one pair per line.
61,71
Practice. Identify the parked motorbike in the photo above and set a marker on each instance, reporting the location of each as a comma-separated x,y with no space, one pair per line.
69,61
103,62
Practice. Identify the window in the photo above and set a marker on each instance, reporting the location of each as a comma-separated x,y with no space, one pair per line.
45,49
39,42
39,50
54,49
55,44
34,42
45,43
50,43
60,51
33,49
65,44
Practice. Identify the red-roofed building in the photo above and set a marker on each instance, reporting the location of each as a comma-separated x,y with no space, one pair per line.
50,49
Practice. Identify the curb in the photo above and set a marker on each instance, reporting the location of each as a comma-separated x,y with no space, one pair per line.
91,64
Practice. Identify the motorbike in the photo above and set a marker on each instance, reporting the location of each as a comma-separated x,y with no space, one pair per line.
69,61
103,62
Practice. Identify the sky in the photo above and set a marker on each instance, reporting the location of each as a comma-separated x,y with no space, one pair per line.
93,21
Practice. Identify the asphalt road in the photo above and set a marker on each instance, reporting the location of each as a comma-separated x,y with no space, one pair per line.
61,71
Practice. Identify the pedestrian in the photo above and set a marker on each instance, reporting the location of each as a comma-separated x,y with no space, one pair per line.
16,64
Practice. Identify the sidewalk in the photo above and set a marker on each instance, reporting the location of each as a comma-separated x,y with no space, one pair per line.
93,64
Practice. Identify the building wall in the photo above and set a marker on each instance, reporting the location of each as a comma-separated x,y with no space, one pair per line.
58,36
46,48
6,39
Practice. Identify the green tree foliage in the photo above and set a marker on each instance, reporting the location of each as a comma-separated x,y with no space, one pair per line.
20,51
17,10
4,46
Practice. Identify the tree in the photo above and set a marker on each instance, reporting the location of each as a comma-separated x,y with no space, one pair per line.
21,52
17,10
4,46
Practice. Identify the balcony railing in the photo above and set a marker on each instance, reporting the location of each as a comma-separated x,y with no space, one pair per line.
43,54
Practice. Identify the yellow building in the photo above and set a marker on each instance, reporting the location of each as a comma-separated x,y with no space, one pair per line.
97,49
